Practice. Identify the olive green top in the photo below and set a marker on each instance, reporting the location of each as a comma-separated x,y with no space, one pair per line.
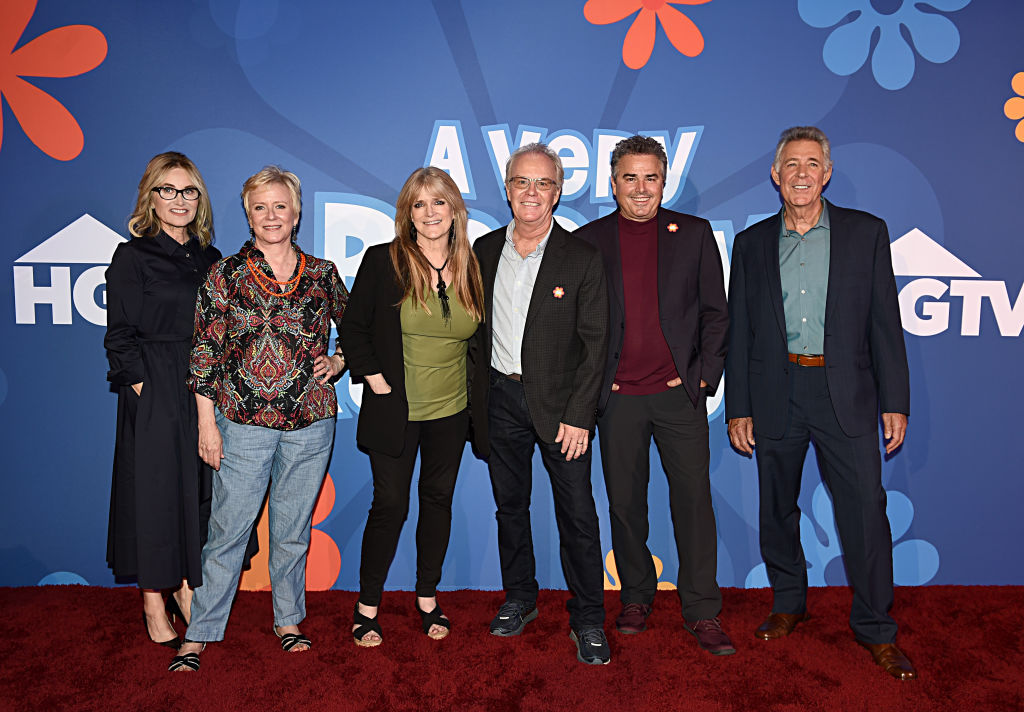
435,357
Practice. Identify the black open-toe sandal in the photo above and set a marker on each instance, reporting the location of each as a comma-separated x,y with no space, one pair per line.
188,661
290,640
365,625
434,618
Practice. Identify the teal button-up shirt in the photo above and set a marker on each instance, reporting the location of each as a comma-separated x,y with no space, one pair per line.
803,265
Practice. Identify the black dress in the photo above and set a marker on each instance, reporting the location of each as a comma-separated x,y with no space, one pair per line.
160,495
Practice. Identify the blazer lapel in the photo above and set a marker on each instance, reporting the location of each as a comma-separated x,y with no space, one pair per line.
771,263
488,272
837,257
611,249
667,246
553,256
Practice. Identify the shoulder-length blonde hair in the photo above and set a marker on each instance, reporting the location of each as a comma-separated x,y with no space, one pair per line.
414,273
144,222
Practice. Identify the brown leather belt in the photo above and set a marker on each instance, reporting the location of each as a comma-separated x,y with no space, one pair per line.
805,360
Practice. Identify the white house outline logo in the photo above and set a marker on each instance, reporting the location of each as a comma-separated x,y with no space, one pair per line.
84,241
917,255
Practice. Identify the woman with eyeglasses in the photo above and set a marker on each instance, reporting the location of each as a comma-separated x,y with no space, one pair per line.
160,495
415,305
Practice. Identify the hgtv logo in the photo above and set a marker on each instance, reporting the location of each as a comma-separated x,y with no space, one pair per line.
48,294
922,307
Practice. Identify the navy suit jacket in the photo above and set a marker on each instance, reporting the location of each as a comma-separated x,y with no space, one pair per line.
691,298
865,357
566,335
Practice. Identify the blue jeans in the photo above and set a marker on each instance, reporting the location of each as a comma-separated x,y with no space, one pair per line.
293,462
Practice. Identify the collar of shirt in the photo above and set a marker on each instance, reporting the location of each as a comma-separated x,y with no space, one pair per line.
171,245
538,252
822,224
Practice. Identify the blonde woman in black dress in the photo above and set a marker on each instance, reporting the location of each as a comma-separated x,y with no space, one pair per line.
160,495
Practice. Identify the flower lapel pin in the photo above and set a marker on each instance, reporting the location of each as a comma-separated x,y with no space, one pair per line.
672,227
558,292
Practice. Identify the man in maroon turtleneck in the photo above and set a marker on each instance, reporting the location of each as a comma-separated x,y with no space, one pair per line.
666,351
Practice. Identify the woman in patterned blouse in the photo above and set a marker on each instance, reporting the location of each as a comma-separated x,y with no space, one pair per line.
415,305
262,381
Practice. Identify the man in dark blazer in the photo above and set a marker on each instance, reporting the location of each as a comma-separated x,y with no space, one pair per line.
815,350
545,339
668,325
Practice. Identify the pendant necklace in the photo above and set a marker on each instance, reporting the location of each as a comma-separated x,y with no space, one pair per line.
446,311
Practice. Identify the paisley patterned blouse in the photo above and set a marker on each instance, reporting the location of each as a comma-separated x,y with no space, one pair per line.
253,352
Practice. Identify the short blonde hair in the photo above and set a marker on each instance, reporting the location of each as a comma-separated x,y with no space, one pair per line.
144,222
273,174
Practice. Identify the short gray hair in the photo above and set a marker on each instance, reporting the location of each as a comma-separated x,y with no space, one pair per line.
540,149
803,133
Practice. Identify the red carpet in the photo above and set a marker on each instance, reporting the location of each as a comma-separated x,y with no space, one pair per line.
73,647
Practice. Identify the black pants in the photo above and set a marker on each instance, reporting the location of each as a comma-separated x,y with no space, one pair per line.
851,469
680,431
440,443
512,439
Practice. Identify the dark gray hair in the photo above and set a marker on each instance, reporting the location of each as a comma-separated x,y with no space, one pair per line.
540,149
803,133
639,146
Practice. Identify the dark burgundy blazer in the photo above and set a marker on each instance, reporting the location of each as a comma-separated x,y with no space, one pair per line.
691,298
865,357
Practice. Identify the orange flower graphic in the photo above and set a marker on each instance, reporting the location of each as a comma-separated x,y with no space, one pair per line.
63,52
639,42
1014,106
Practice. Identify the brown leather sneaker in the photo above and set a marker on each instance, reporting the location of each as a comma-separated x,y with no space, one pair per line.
633,618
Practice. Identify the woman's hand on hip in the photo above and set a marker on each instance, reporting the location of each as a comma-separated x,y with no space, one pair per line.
327,367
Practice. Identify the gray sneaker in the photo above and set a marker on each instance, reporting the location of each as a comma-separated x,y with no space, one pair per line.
591,646
512,618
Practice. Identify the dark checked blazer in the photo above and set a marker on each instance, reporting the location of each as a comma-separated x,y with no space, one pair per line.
691,298
566,337
865,357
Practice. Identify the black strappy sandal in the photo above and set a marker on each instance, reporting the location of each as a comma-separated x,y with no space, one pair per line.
188,661
365,625
290,640
434,618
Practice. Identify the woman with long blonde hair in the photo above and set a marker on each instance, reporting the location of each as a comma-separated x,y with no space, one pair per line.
159,501
414,307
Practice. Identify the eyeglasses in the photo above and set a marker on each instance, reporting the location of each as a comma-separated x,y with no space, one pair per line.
168,193
522,183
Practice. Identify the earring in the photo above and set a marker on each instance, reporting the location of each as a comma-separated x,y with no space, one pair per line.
252,233
451,234
412,232
295,231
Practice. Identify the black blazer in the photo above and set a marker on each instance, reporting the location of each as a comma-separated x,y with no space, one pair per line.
566,338
371,338
691,298
865,357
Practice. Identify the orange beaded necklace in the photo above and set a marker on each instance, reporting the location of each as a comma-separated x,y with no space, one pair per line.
264,282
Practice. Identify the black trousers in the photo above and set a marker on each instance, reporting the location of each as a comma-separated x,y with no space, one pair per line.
680,431
851,469
512,439
440,443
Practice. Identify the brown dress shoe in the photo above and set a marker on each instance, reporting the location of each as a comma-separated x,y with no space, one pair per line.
891,659
779,625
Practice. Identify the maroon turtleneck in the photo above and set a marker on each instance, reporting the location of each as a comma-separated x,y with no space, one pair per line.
645,366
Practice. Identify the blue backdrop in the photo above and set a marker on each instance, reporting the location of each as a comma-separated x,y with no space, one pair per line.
923,102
